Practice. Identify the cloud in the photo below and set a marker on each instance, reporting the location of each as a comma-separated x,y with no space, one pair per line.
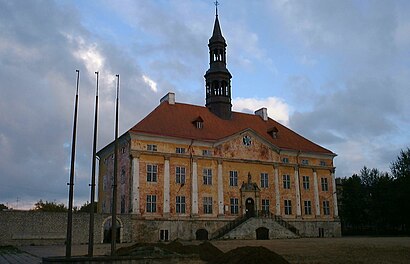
358,109
277,108
150,83
39,54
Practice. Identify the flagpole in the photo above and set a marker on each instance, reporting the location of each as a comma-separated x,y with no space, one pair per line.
71,184
92,199
114,186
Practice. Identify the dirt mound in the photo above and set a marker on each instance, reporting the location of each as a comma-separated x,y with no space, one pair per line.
249,255
206,250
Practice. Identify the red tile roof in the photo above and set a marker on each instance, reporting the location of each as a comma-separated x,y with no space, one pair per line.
177,120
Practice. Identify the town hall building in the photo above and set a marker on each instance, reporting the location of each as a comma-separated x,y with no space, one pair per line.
206,172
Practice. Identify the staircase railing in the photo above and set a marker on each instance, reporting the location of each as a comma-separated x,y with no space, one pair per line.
229,226
279,220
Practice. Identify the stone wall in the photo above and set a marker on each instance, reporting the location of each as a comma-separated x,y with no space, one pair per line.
45,228
149,230
311,228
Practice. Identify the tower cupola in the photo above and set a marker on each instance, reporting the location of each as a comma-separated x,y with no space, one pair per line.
217,77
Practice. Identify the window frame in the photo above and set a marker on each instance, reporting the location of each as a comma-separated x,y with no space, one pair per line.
307,207
152,175
288,206
151,203
180,176
324,183
152,147
326,207
233,178
207,204
234,205
180,204
286,181
306,182
207,176
264,180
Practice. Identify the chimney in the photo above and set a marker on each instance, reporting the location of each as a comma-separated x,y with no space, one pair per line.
169,97
263,113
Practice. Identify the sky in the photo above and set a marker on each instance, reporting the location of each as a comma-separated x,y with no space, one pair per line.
336,72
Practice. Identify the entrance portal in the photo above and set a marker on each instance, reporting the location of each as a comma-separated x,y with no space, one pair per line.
250,207
262,233
107,231
201,234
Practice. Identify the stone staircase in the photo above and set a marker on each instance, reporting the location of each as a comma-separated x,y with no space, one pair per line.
229,226
245,227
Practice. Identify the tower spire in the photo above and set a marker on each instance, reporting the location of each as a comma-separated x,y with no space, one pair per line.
218,78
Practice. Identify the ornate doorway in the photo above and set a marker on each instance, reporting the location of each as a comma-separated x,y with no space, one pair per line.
250,207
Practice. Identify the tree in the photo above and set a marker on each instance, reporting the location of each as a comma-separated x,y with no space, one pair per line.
400,168
49,207
86,208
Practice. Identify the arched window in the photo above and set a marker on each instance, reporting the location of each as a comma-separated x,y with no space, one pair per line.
224,88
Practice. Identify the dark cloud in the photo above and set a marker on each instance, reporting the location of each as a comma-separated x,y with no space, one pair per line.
362,101
40,49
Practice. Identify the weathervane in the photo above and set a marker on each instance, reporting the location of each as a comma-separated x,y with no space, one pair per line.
216,6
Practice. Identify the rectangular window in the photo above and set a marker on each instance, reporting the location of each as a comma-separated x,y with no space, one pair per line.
122,150
164,235
206,152
305,162
180,150
207,176
264,180
326,208
207,203
180,204
151,203
265,206
180,175
306,184
288,207
152,173
286,181
151,147
325,187
308,207
322,163
285,160
233,178
234,205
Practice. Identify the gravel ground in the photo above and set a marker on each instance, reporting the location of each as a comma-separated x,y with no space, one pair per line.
360,250
333,250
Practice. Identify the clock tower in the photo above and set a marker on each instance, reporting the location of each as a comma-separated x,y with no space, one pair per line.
217,77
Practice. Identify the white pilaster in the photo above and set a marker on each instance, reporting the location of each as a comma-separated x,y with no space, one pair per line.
277,193
298,210
135,195
166,186
194,188
316,192
335,208
220,190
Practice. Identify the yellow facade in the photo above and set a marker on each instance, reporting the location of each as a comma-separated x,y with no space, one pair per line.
230,155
